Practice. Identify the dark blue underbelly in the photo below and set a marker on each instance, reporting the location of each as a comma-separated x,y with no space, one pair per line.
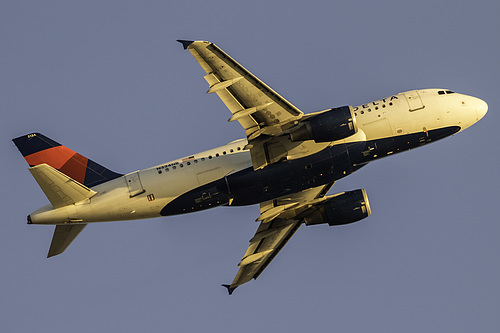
248,187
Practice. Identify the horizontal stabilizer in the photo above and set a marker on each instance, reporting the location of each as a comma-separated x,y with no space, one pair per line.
63,236
60,189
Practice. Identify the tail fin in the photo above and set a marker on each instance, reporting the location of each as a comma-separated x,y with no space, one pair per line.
38,149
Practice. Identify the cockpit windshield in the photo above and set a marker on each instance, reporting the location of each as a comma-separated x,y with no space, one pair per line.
442,92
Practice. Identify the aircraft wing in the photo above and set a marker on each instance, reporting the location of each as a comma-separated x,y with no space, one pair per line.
260,110
280,219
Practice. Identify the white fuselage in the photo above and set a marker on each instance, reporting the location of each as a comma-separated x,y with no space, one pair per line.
143,194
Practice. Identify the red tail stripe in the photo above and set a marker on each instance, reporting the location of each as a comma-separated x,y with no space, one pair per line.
56,157
63,159
76,168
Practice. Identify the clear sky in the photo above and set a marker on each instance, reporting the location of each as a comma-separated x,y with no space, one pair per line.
107,79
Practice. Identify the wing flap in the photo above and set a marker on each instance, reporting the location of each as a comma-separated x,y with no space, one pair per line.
60,189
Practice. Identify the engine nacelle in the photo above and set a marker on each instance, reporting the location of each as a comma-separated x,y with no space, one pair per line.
338,209
331,125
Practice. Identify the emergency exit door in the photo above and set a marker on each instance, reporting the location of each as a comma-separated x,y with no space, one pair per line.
134,184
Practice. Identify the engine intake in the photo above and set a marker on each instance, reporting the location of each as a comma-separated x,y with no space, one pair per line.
331,125
339,209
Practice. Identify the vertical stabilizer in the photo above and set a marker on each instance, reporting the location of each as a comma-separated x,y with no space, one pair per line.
39,149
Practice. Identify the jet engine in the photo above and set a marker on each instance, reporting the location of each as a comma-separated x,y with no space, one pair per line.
342,208
331,125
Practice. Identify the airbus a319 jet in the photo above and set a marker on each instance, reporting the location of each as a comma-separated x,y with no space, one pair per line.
287,163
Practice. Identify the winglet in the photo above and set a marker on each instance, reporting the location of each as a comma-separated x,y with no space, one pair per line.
229,289
185,43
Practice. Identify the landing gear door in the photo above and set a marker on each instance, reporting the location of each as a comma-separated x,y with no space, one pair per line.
414,100
134,184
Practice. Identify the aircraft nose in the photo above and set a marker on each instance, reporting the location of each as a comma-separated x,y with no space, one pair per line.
481,109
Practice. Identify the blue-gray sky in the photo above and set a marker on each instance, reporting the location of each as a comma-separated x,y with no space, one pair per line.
107,79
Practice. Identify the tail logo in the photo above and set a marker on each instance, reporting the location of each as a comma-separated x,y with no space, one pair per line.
38,149
63,159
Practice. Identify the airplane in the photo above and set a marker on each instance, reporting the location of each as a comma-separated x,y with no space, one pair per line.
287,163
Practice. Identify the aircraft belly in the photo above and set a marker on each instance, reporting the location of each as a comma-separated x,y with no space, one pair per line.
247,187
376,149
203,197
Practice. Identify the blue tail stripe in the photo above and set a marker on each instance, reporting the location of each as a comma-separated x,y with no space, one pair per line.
33,143
97,174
